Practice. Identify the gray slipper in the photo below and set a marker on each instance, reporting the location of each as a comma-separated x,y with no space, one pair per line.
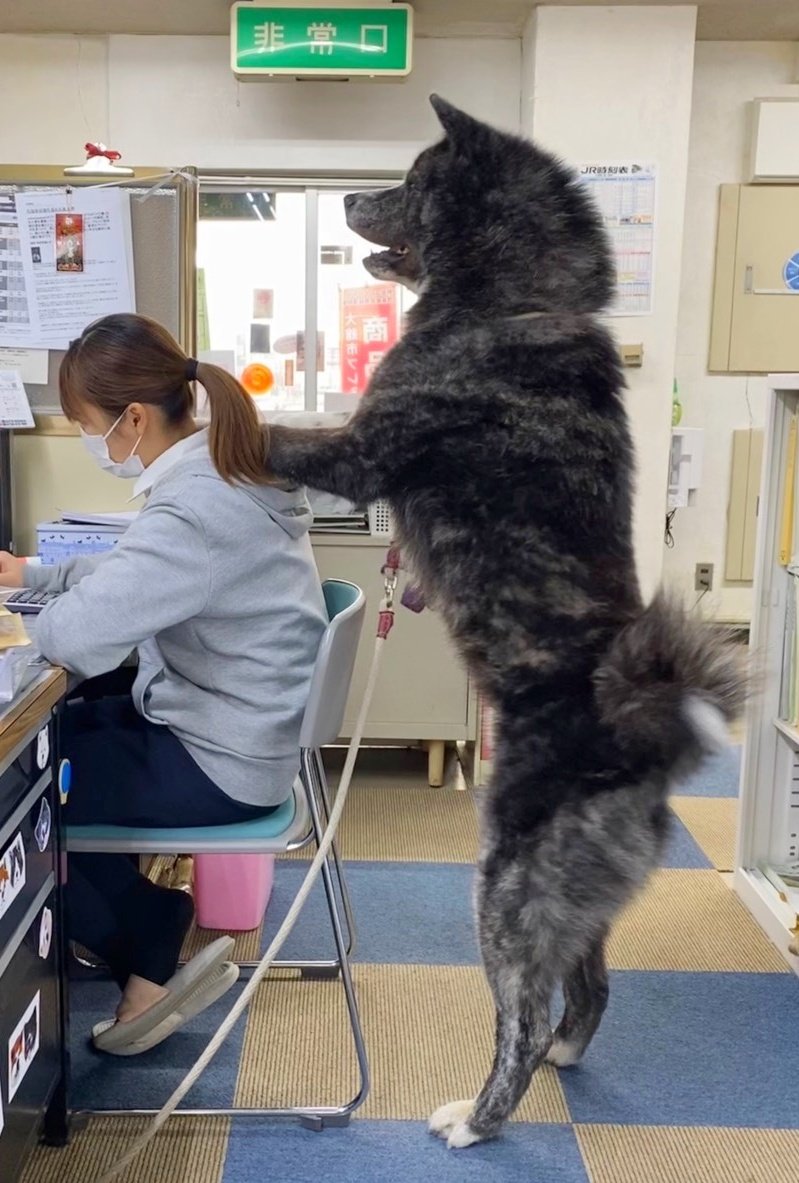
211,988
180,986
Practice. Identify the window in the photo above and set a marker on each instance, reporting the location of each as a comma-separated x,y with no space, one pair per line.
281,280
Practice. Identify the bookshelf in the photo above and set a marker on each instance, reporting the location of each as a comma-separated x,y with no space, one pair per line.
768,825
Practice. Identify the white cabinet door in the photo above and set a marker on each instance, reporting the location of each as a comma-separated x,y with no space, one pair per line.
423,688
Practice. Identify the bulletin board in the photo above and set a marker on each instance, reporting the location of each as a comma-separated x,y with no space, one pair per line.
164,227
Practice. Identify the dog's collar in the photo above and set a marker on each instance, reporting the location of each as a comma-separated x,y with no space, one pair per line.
527,315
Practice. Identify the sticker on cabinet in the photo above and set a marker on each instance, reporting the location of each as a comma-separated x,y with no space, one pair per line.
43,825
23,1046
12,874
43,748
45,934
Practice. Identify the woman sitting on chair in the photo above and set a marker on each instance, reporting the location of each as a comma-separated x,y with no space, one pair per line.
214,584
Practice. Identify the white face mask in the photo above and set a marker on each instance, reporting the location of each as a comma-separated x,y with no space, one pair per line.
97,447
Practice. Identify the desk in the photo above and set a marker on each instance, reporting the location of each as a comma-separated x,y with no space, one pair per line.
33,989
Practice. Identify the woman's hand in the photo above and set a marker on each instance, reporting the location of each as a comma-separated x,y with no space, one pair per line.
11,570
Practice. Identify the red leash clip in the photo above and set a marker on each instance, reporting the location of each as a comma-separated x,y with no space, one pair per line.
385,622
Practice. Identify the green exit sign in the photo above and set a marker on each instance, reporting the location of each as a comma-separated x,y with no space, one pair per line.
329,41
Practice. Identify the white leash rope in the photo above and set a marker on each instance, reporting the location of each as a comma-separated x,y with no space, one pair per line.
243,1001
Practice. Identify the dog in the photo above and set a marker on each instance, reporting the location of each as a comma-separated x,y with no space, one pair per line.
496,429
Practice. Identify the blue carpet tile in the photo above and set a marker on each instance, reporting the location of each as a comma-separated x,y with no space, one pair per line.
718,776
145,1081
399,1152
712,1049
411,913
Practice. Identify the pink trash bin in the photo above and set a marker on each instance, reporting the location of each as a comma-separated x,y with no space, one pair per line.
231,891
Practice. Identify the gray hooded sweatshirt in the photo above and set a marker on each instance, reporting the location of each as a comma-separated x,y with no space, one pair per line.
216,587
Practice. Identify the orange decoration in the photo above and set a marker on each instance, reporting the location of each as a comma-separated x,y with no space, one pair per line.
257,378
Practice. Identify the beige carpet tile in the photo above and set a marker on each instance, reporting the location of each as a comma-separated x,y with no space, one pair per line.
712,822
665,1154
407,824
187,1148
429,1031
389,768
690,920
246,948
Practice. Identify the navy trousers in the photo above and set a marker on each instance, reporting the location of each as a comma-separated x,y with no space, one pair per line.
128,771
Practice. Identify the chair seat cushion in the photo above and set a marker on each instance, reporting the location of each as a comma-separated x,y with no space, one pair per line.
272,830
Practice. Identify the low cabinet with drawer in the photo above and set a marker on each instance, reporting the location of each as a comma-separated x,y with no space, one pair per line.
33,1064
423,692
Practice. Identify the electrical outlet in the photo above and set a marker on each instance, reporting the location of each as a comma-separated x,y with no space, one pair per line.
703,577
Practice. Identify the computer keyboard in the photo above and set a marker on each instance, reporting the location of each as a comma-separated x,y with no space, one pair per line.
27,600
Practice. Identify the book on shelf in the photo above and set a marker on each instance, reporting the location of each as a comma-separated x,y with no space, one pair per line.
788,557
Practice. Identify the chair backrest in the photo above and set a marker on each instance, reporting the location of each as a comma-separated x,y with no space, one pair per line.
332,675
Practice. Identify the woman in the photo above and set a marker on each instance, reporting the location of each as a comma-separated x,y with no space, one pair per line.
214,584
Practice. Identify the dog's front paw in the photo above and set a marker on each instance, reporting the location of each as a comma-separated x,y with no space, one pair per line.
463,1135
451,1122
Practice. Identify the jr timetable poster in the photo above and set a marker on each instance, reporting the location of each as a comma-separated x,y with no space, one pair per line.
625,195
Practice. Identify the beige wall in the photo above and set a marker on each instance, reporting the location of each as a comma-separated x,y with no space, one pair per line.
610,84
728,75
53,473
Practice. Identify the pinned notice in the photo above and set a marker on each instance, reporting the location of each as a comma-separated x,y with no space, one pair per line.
76,259
625,196
15,410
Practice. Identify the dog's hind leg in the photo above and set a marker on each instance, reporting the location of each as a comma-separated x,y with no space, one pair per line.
585,990
522,972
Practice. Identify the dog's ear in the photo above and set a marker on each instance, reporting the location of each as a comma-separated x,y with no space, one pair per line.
456,123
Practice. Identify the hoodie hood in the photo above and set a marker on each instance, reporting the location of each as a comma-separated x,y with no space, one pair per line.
286,505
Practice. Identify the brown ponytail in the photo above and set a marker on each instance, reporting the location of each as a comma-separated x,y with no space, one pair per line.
126,358
239,441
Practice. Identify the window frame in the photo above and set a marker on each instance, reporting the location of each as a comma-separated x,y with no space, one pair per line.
311,184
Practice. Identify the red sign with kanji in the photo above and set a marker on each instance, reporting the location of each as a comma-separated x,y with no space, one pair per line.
369,327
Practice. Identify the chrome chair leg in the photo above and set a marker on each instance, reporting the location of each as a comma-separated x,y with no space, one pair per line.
316,771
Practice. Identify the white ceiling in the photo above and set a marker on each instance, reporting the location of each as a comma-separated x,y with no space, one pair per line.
719,20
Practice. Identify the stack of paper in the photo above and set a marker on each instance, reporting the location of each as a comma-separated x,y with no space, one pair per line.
341,524
122,517
14,653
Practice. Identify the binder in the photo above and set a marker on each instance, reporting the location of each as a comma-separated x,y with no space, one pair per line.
788,497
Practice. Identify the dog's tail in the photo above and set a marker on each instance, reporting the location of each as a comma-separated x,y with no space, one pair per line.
669,685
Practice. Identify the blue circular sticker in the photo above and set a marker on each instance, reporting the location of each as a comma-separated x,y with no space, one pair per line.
64,780
790,273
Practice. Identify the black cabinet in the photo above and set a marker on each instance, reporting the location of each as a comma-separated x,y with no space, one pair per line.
33,1062
30,1031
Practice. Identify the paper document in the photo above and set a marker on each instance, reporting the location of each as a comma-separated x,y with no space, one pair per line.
15,324
76,259
625,196
15,410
